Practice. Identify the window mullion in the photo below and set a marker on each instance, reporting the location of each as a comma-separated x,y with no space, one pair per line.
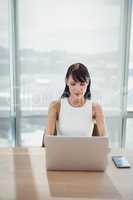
125,41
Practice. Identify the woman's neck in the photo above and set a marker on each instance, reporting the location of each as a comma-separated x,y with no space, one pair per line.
76,102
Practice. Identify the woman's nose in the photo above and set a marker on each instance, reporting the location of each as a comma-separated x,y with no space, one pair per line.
78,89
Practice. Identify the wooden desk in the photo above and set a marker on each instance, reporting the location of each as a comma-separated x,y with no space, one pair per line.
23,177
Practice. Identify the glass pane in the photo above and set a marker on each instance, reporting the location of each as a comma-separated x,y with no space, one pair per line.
52,35
130,78
32,129
113,126
129,133
5,132
5,129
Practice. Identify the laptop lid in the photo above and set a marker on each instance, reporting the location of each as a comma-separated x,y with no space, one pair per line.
76,153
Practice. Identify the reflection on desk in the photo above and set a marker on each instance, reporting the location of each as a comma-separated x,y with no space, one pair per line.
23,176
81,184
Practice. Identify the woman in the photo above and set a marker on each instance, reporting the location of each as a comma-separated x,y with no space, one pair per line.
74,111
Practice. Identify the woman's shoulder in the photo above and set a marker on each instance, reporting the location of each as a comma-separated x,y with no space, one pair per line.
96,108
54,106
96,105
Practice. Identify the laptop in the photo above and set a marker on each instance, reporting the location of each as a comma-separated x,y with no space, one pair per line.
76,153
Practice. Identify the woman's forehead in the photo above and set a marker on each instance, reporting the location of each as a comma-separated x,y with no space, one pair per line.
70,78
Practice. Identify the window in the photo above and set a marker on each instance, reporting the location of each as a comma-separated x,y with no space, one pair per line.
5,119
130,79
129,133
129,117
53,35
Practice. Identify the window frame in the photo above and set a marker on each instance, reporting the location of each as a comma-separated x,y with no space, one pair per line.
125,28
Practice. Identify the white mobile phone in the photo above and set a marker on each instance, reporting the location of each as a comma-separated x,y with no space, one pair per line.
121,161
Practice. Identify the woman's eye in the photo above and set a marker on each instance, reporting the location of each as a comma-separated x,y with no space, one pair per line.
82,84
72,84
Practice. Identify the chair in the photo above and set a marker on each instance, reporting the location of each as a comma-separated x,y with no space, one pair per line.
94,133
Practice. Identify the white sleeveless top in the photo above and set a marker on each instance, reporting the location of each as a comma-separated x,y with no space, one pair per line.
75,121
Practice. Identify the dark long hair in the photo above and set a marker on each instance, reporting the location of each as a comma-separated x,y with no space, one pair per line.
79,72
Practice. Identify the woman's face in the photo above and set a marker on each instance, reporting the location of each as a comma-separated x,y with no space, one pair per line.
77,89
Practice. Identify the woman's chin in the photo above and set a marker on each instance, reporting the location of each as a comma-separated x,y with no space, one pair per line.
78,96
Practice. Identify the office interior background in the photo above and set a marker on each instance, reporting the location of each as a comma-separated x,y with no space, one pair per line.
39,39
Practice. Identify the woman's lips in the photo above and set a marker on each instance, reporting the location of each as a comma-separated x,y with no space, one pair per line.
77,94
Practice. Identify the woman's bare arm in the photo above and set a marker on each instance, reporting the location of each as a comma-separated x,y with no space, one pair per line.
52,117
53,113
99,116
